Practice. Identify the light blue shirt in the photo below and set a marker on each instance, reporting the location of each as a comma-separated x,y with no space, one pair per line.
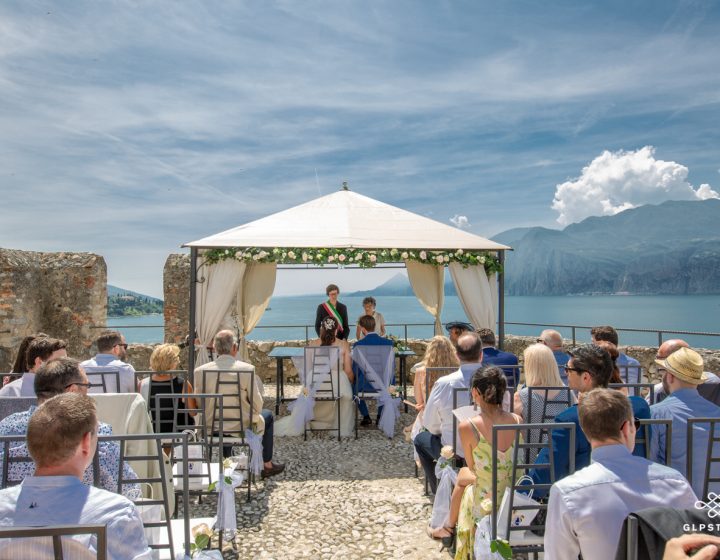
562,358
23,387
632,366
678,407
587,509
111,362
64,500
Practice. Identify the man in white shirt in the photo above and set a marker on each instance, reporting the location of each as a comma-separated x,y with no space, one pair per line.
438,414
587,509
111,356
41,350
62,438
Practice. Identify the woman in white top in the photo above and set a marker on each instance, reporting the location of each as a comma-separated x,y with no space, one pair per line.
369,304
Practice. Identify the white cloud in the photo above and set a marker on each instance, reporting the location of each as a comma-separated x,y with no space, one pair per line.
617,181
460,221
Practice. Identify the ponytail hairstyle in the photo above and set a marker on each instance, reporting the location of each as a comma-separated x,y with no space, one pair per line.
490,382
328,327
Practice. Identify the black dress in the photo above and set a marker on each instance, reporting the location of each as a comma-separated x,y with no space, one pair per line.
184,419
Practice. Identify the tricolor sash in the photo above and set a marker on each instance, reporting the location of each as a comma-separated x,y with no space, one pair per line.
330,308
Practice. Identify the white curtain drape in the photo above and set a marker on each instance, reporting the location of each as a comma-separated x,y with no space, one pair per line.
427,281
214,297
253,297
475,294
492,280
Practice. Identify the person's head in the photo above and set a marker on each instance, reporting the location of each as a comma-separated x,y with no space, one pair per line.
43,350
112,342
20,363
62,435
440,352
488,385
332,292
367,323
604,332
589,367
165,357
540,367
670,346
487,337
552,339
456,329
369,305
469,348
225,343
63,375
611,349
683,369
606,418
328,330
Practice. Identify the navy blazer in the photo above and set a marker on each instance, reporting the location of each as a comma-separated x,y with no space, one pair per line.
495,357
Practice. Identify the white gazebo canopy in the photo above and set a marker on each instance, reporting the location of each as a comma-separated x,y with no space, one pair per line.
341,228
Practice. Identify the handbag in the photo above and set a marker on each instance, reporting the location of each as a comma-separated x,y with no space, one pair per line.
520,517
198,469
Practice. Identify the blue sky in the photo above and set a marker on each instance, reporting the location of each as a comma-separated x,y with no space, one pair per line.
128,128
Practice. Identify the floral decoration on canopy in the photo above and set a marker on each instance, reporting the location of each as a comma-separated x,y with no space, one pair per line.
365,258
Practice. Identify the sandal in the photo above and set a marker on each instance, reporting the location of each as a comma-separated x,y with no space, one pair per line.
432,533
449,541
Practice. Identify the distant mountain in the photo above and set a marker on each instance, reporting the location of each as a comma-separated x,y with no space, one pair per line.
399,285
122,303
671,248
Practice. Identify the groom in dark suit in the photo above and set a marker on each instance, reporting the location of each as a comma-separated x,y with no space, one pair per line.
333,308
369,338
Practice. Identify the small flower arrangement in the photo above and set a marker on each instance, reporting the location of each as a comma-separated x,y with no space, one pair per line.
202,534
447,453
394,391
398,344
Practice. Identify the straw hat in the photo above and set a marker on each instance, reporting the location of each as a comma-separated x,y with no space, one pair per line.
686,365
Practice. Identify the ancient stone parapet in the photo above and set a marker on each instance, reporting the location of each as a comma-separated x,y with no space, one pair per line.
176,295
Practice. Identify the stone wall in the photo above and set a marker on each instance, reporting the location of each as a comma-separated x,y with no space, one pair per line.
176,294
61,294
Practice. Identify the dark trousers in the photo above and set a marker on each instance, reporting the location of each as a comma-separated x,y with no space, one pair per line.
428,448
267,438
362,384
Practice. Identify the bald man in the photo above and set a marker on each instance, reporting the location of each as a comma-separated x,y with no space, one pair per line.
553,340
709,390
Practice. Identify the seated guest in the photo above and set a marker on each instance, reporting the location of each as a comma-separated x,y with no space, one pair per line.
166,357
262,420
611,349
369,304
629,367
682,373
587,509
540,370
456,329
54,378
112,353
708,389
474,482
62,437
438,413
369,337
553,340
495,357
20,362
590,367
39,351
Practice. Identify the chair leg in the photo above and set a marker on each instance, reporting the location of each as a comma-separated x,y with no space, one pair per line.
338,418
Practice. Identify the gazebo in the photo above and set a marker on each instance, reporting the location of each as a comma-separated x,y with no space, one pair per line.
233,272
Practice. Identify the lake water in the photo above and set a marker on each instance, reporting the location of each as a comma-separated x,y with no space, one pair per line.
679,313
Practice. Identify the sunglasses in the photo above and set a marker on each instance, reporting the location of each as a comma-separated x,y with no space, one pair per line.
576,370
79,384
123,344
636,422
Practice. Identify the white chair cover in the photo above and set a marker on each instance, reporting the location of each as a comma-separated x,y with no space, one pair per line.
378,364
319,370
447,477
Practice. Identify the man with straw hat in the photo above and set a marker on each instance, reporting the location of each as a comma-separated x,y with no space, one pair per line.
682,372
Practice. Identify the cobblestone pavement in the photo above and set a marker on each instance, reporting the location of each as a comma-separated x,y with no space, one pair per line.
351,499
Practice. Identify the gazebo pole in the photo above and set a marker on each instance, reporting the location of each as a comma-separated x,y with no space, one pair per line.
501,301
193,303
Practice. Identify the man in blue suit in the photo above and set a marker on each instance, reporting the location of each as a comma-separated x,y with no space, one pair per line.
494,357
589,367
369,338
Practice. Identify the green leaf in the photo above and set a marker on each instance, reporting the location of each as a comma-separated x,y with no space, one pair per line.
228,480
211,487
503,548
202,541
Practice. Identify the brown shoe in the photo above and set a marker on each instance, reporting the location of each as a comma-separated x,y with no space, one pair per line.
276,468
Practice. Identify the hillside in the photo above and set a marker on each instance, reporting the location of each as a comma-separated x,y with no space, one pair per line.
123,303
671,248
399,285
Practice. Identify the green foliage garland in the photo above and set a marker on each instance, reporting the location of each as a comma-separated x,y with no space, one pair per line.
365,258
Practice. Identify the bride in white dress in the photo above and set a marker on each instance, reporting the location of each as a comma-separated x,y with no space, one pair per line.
324,412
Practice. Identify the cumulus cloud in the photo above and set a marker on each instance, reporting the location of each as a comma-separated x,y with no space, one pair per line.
617,181
460,221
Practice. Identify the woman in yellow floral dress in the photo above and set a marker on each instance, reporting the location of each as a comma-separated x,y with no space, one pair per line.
472,497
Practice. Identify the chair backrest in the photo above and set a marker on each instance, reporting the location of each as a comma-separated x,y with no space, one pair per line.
631,374
14,451
12,405
322,371
432,374
235,416
377,362
512,374
542,408
696,428
643,437
140,376
516,482
103,379
41,543
642,390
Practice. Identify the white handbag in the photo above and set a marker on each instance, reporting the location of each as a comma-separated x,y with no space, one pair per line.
520,517
196,466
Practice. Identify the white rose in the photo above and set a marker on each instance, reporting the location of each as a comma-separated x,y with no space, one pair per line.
331,258
304,256
342,258
423,255
446,258
459,252
256,257
239,255
359,257
439,259
393,252
482,260
373,258
262,254
318,257
291,254
404,255
447,452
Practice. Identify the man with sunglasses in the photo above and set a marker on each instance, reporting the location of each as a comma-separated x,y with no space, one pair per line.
64,375
586,510
111,356
589,367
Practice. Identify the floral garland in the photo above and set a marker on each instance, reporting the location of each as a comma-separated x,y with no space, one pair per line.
365,258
